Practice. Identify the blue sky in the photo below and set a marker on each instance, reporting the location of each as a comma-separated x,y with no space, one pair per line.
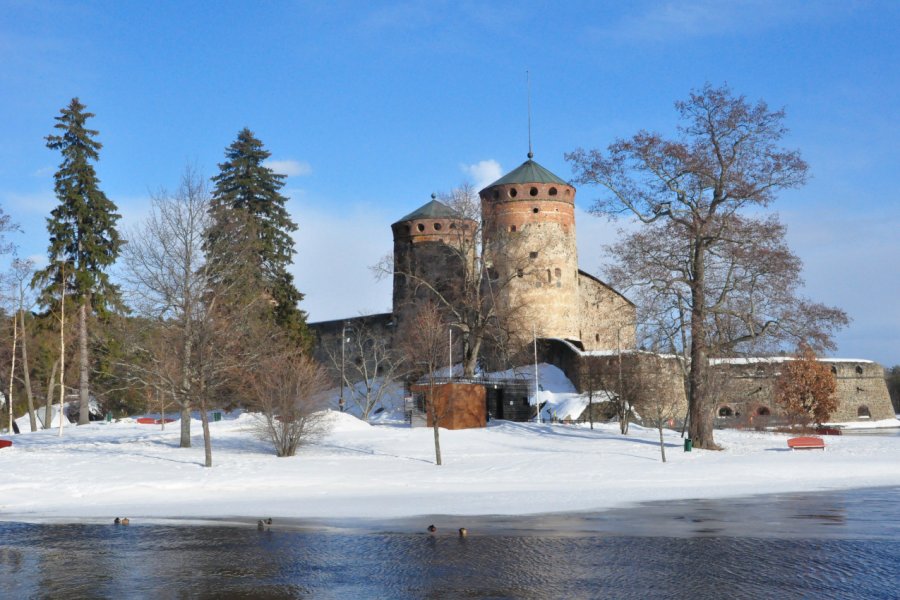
370,107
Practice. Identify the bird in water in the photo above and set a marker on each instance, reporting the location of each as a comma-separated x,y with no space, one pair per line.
432,529
463,532
117,521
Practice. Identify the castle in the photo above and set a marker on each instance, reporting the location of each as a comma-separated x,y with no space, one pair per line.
528,244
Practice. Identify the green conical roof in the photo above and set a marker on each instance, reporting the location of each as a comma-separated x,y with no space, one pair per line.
432,210
528,172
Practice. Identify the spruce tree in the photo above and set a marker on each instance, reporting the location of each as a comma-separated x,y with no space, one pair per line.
83,236
248,211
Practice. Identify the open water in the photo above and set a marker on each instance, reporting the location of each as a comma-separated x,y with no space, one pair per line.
823,545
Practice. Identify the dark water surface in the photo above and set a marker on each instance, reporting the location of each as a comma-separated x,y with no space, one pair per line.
823,545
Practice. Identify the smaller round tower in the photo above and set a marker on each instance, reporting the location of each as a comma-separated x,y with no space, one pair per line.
429,250
529,231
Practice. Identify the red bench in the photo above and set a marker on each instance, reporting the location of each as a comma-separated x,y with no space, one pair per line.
806,443
5,443
152,421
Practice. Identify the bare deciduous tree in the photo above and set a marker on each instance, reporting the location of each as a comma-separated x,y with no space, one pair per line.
693,190
422,338
166,284
369,365
288,390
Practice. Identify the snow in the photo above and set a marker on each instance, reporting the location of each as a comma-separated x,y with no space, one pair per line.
102,470
386,469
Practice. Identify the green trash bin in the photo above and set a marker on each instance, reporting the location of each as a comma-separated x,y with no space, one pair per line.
108,417
688,444
217,416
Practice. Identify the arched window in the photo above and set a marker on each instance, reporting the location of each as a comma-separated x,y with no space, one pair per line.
437,226
859,370
863,412
553,191
533,191
513,192
420,227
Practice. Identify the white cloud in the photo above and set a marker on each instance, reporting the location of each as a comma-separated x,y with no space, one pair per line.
44,171
38,202
483,173
675,21
291,168
334,253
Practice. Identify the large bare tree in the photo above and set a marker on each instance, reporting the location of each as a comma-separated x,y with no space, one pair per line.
166,285
195,324
699,194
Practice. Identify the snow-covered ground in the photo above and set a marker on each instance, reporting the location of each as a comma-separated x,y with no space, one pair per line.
102,470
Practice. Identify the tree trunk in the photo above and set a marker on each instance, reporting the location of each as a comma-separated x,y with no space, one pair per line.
207,444
12,371
434,423
51,386
26,374
662,445
84,396
701,426
185,425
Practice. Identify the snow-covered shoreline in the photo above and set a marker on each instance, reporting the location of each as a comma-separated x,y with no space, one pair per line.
359,471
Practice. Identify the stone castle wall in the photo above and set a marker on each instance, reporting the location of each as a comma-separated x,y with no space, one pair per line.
529,232
746,388
607,319
429,253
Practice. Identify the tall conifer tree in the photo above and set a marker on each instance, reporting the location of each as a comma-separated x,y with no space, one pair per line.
248,211
83,236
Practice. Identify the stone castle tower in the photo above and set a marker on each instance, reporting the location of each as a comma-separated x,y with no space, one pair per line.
429,244
529,226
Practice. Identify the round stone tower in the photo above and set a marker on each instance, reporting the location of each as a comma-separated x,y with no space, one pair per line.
529,234
429,248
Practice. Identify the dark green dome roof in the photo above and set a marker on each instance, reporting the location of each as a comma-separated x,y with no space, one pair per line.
528,172
431,210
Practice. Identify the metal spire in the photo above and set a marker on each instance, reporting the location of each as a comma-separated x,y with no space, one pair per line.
528,90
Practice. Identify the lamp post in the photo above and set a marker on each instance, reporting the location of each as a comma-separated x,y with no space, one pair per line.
537,385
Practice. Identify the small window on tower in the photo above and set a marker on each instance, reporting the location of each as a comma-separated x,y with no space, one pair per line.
420,227
533,191
535,210
437,226
552,191
520,273
532,255
558,272
512,228
513,192
549,277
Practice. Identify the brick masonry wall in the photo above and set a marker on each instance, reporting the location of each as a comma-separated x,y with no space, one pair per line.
531,234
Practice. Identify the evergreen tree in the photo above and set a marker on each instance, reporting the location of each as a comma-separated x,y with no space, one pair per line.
83,236
248,211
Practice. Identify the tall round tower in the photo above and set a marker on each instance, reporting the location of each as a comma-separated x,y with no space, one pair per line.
529,232
429,247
